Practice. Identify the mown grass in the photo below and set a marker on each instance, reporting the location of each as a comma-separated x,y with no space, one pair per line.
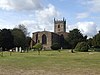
50,63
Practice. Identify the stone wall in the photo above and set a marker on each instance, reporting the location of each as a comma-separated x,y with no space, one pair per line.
39,38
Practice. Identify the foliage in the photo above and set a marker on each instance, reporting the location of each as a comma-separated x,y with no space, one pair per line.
38,46
74,37
24,29
97,49
19,38
16,37
89,41
6,39
96,40
82,47
64,44
56,46
28,40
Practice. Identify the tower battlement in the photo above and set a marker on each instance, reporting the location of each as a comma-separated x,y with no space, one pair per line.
59,25
59,20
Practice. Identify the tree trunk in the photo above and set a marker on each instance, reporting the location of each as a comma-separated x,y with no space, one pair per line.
38,52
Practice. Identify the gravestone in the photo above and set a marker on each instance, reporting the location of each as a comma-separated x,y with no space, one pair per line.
0,49
20,49
16,49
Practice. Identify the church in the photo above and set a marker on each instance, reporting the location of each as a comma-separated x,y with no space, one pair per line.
49,38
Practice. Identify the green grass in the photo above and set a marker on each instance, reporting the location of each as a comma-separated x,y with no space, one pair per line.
50,63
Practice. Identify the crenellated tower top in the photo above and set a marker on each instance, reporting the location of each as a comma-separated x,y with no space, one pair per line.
59,25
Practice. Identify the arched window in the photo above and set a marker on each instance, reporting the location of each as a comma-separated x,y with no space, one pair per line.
36,38
58,26
44,39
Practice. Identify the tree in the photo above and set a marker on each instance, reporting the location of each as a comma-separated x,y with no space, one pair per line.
6,39
19,38
89,41
63,43
74,37
96,40
56,46
38,47
24,29
82,47
28,40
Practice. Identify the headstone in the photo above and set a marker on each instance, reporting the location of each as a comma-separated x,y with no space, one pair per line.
10,50
61,48
16,49
20,49
1,49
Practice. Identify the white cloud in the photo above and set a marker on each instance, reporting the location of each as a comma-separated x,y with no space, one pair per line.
43,19
86,28
98,28
82,15
3,24
92,5
31,25
20,4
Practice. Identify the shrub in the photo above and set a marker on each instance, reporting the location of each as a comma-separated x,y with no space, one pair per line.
37,46
97,48
82,47
56,46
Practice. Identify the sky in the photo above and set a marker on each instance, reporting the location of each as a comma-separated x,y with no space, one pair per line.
38,15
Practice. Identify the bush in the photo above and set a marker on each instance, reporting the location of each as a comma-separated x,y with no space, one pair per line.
97,49
38,46
82,47
56,46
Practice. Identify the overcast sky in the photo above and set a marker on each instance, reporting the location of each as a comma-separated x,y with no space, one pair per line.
38,15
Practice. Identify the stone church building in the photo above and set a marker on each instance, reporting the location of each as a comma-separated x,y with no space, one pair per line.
49,38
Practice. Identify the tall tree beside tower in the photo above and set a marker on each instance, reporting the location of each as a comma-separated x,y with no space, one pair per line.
74,37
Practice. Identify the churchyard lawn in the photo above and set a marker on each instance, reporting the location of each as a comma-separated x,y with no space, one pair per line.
50,63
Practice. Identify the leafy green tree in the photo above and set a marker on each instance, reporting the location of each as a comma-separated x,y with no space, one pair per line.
96,40
74,37
28,40
63,43
24,29
89,41
19,38
6,39
82,47
38,47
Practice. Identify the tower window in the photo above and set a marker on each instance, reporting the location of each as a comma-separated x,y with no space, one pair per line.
58,26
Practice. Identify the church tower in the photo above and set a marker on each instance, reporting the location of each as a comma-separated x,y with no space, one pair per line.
59,25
